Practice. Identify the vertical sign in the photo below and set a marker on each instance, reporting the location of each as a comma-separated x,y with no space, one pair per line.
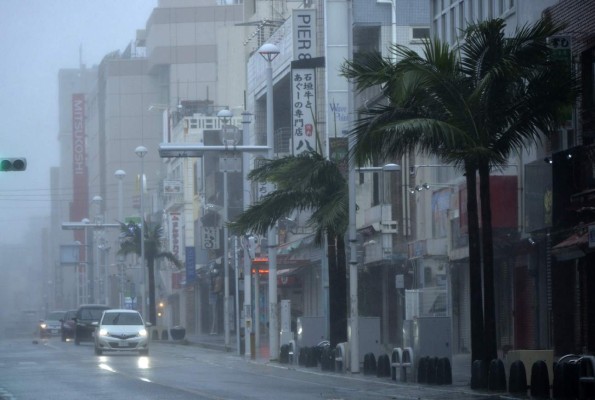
174,232
262,187
210,238
80,201
190,265
303,91
303,81
304,33
562,52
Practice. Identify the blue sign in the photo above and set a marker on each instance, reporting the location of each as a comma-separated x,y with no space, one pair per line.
190,265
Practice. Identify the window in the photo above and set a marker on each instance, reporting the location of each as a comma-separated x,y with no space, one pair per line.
420,33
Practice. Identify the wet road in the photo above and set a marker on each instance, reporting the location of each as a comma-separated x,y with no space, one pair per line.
52,369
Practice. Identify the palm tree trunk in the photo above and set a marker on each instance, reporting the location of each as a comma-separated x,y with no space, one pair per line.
490,339
337,293
475,289
152,311
342,265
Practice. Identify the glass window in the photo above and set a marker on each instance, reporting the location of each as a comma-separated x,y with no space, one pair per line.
420,33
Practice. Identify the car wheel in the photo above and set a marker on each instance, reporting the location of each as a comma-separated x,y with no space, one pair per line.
144,352
98,351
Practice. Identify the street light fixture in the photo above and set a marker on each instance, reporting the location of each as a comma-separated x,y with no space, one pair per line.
120,174
141,151
269,52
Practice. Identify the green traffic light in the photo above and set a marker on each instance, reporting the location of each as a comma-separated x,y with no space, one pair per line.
13,164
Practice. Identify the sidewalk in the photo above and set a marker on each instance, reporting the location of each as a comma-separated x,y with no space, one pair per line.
460,363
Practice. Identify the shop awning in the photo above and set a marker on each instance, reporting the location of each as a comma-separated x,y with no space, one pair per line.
574,246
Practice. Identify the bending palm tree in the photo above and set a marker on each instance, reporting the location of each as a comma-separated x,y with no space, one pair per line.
472,107
308,182
130,243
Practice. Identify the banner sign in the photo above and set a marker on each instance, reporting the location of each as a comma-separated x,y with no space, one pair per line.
304,33
210,238
172,187
190,265
80,201
303,91
174,234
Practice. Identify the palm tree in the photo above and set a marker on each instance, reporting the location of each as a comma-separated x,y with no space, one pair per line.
130,243
471,106
308,182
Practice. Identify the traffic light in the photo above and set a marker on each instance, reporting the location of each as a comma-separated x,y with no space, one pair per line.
13,164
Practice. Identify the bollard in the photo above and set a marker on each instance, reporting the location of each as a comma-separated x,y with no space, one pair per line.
284,354
570,375
496,376
517,380
406,363
302,357
342,357
432,363
395,362
540,380
252,346
369,364
586,377
479,375
443,371
422,370
383,367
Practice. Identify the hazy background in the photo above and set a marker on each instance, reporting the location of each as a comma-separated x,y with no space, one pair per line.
37,39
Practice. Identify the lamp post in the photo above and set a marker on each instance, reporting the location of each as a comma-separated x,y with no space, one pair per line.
229,137
98,276
141,151
269,52
120,174
353,331
247,261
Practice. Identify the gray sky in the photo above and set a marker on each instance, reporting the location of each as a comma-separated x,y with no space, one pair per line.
37,39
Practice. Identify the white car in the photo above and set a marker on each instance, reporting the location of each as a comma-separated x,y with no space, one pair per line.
121,331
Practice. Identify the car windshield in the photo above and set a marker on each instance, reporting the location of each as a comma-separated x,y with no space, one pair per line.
121,319
91,313
55,316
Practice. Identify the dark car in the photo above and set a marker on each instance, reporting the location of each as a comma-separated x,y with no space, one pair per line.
85,315
67,325
50,325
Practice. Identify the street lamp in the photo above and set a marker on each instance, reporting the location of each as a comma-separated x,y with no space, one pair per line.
353,331
120,174
247,261
98,276
269,52
141,151
229,138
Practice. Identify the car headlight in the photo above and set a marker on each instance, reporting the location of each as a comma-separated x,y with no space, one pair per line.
142,332
43,326
103,332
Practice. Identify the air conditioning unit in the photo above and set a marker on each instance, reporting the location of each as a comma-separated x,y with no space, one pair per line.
389,227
